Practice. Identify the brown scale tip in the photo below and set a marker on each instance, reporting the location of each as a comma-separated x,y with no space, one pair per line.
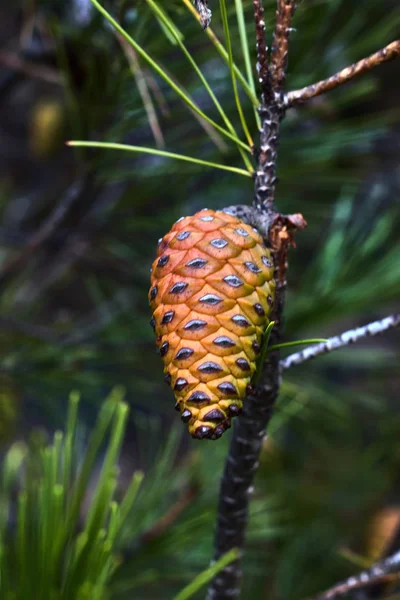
186,415
211,433
234,410
203,432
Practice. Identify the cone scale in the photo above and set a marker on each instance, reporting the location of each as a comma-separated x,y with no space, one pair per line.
211,294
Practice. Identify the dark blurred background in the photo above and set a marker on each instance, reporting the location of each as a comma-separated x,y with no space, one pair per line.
78,232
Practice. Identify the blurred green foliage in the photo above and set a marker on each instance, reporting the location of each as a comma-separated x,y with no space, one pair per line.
78,231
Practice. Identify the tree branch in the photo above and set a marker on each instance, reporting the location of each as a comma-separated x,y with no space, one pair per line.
249,430
43,72
340,341
264,75
265,181
363,66
280,46
378,573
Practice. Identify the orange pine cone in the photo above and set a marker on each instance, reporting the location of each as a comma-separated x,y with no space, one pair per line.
211,293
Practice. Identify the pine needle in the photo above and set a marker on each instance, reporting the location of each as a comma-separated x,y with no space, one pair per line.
207,575
244,41
224,55
155,152
225,21
178,38
296,343
164,75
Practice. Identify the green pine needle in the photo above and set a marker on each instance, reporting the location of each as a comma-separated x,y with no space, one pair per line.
176,34
265,349
296,343
244,41
165,76
156,152
263,354
207,575
49,559
225,21
225,57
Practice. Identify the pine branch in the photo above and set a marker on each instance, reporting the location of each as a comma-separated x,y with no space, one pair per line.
378,573
363,66
340,341
143,90
280,46
271,109
264,75
271,115
249,431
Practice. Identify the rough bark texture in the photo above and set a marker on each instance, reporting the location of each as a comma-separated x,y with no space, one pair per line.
340,341
271,117
363,66
373,575
280,46
250,427
264,75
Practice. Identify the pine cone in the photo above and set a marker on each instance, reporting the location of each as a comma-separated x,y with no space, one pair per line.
211,293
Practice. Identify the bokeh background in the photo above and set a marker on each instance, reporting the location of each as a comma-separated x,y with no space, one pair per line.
78,232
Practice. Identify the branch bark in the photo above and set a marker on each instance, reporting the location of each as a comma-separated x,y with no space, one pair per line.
280,46
363,66
340,341
250,427
264,75
376,574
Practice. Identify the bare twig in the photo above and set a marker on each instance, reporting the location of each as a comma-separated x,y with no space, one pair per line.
340,341
271,113
153,85
280,46
15,63
141,83
72,194
249,431
378,573
264,74
171,516
363,66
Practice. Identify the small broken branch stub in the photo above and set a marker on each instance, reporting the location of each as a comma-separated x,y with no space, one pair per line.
363,66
